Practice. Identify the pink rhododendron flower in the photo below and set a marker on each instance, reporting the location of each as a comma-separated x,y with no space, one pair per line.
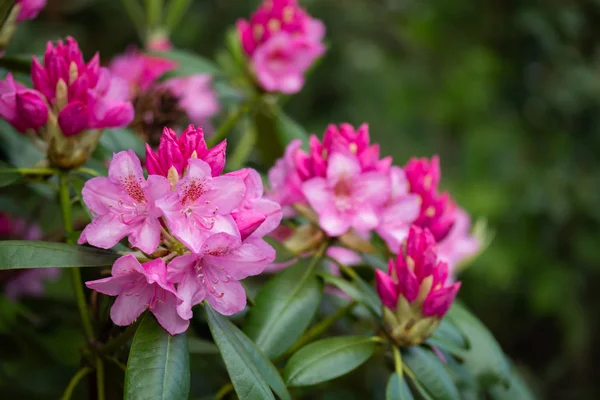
459,244
140,70
85,96
29,9
175,152
30,282
124,205
196,96
21,107
285,181
418,276
347,198
401,209
437,210
282,41
256,216
201,205
139,287
214,273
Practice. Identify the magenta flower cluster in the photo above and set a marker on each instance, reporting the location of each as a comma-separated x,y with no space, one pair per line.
212,223
282,42
68,92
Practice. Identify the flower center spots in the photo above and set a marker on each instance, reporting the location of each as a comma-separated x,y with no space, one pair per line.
210,277
133,187
343,191
193,191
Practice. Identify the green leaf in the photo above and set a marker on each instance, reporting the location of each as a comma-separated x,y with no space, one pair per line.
16,254
397,389
289,129
327,359
517,389
18,149
484,358
175,12
158,365
351,289
449,338
200,346
247,379
115,140
431,373
284,308
8,175
189,63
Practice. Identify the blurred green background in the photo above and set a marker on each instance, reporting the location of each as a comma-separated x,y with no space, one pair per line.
506,92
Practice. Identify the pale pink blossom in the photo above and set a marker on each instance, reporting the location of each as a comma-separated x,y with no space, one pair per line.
90,99
347,198
399,212
139,287
201,205
174,152
284,180
418,276
282,41
30,282
459,244
256,216
140,70
29,9
213,274
124,205
196,95
21,107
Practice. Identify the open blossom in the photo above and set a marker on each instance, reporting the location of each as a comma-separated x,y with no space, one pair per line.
29,9
140,70
347,197
85,96
124,205
196,95
201,206
399,212
415,291
174,152
282,41
437,210
213,274
23,108
139,287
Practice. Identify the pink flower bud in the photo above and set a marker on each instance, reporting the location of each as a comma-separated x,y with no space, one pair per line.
248,221
29,9
176,152
23,108
386,288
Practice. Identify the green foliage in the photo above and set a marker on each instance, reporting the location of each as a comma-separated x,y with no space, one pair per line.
431,373
158,365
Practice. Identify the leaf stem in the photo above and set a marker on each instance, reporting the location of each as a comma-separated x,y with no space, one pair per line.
122,339
74,381
224,391
100,377
65,205
230,122
37,171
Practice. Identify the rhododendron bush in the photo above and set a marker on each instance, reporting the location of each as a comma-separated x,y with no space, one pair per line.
213,248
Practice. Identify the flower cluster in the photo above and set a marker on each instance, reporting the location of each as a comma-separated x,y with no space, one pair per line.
415,291
72,101
192,96
208,227
282,42
351,188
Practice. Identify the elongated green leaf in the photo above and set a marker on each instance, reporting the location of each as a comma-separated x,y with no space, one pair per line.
517,389
200,346
189,63
115,140
327,359
175,11
484,358
8,175
431,373
16,254
397,389
449,338
283,310
158,365
19,150
351,290
248,381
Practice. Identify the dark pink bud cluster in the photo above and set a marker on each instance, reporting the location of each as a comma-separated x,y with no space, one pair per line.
438,210
282,41
418,276
174,152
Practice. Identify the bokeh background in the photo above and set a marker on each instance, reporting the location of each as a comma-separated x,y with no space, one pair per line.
506,92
